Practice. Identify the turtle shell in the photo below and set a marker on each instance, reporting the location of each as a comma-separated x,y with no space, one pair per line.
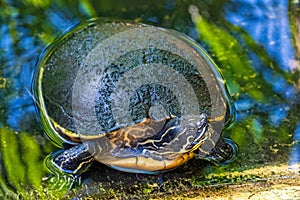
105,75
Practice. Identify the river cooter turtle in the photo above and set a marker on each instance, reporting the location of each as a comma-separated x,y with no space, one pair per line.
135,97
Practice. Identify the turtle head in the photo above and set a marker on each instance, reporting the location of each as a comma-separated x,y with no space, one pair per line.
198,125
222,151
202,125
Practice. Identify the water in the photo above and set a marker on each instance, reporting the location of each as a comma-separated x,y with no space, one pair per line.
255,44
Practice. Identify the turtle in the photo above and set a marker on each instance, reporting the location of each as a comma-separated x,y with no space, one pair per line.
136,97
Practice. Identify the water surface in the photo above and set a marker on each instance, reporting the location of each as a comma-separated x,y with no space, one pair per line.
254,43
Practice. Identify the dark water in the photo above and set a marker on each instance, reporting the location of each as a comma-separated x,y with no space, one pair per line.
255,44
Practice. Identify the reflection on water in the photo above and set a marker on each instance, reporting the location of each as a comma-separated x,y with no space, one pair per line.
268,24
265,95
253,42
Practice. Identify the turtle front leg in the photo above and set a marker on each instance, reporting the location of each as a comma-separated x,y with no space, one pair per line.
224,151
74,160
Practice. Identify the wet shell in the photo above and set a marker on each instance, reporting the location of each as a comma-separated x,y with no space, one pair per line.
102,76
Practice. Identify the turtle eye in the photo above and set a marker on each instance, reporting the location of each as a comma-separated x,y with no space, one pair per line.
202,122
203,116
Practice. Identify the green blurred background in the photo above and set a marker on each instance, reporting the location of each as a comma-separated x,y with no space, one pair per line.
254,43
